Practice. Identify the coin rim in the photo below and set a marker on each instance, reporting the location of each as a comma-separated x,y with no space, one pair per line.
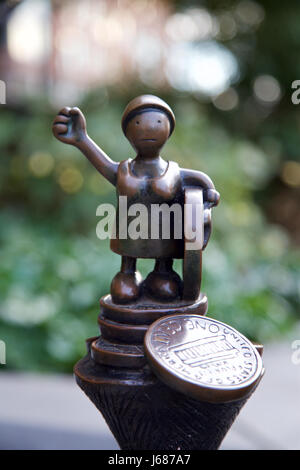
210,393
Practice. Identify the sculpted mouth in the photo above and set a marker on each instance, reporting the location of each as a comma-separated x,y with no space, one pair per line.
149,140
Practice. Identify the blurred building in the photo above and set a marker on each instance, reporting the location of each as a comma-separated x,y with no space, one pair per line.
65,48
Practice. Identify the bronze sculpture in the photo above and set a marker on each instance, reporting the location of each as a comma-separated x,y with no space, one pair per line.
116,374
147,123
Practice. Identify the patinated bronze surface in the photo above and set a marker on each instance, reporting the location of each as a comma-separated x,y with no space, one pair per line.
123,328
145,414
143,411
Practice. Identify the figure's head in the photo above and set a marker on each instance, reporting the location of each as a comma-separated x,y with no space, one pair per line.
147,123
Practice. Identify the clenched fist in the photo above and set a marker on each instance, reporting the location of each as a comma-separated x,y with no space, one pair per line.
69,126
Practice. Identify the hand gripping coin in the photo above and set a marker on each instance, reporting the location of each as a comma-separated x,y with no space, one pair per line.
203,358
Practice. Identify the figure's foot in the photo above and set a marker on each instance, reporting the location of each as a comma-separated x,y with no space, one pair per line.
165,286
126,287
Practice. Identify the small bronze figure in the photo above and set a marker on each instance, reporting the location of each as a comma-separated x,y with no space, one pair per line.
147,123
161,399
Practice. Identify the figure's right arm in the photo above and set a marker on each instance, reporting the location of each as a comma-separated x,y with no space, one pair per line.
69,126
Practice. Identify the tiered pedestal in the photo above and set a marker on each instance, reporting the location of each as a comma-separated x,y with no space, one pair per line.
141,411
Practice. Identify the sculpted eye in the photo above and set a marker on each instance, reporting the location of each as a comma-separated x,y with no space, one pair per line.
137,122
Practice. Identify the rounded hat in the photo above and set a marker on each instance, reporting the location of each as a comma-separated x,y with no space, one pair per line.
145,102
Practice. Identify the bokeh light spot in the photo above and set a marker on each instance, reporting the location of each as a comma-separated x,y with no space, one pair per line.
70,180
41,164
226,101
290,173
267,89
250,13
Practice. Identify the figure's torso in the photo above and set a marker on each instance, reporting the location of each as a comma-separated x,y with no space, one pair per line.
167,189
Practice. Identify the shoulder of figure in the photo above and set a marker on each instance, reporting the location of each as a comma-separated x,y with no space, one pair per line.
124,166
173,166
174,169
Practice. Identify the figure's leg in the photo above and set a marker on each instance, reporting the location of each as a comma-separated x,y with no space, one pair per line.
125,286
163,282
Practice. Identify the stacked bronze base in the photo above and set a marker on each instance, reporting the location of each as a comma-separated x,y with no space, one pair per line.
142,412
123,329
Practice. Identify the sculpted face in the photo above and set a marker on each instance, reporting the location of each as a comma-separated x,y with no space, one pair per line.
148,132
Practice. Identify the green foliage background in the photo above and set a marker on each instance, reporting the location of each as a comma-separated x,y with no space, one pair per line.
53,268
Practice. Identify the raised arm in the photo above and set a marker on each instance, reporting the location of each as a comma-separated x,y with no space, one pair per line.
69,126
198,178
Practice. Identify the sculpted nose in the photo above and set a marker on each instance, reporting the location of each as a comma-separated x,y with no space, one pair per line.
152,126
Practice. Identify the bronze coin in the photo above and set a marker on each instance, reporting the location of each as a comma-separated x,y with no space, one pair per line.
203,358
